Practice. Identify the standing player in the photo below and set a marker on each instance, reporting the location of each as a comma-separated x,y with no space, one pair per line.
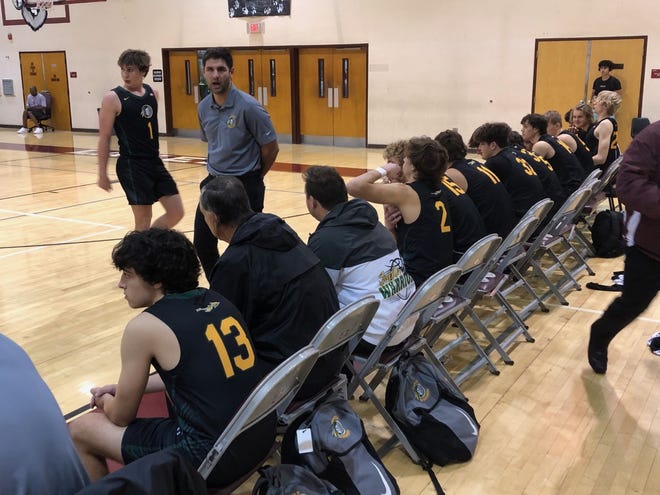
131,110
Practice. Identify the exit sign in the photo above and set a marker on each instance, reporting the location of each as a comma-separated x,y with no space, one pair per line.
655,73
255,27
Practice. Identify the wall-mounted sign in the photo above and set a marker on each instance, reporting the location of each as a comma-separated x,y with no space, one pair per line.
157,75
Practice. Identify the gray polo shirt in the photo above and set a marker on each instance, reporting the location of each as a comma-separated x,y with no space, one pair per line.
235,133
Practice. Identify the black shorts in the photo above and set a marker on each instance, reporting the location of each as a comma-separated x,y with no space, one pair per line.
39,114
147,435
144,180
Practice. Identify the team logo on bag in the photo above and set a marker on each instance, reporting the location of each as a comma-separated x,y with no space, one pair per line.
421,392
338,430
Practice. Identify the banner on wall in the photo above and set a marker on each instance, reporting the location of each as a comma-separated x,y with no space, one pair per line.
258,8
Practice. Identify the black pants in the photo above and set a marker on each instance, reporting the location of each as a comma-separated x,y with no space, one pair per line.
641,283
205,242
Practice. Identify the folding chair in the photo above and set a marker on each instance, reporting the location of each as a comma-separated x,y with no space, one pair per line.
345,327
553,236
476,263
421,305
276,390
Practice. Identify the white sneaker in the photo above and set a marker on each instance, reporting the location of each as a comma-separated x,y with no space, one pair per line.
23,130
38,130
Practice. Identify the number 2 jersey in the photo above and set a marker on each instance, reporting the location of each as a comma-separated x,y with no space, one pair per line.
218,367
136,126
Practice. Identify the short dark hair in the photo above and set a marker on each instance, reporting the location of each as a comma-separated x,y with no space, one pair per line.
136,58
553,117
216,53
428,157
516,139
606,63
325,185
536,121
453,143
226,197
491,132
159,256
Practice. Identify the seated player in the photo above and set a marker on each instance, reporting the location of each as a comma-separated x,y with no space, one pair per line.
467,225
358,252
274,279
564,163
424,232
484,187
571,139
200,347
520,179
35,110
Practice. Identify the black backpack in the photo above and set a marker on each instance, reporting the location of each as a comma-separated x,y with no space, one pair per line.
607,234
342,453
438,423
285,479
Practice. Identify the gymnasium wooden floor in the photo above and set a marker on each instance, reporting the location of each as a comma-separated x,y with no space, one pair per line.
549,424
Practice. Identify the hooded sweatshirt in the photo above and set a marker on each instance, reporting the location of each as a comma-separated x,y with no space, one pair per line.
362,259
277,283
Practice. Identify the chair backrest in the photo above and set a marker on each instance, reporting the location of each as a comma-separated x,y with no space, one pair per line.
609,175
48,98
430,293
539,210
275,391
476,261
564,216
637,125
511,247
346,326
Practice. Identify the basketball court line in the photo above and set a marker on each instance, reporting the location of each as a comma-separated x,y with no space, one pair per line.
598,312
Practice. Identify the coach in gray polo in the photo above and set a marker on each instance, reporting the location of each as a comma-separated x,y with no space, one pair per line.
241,138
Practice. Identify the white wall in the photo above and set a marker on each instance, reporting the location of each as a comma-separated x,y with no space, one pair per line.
433,64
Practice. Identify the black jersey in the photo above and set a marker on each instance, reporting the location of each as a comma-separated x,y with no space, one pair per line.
582,152
426,244
592,142
218,367
489,196
519,178
136,126
546,174
565,164
467,225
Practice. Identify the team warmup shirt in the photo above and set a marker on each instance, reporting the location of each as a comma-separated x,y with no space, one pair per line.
582,152
545,173
592,142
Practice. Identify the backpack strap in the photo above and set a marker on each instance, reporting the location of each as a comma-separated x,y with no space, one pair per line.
428,467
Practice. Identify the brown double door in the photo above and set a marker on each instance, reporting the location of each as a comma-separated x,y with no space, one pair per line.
47,71
333,96
266,75
566,69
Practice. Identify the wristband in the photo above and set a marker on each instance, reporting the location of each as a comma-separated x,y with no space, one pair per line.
381,171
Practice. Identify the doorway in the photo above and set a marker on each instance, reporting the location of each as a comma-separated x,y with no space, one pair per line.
266,75
566,68
333,95
48,71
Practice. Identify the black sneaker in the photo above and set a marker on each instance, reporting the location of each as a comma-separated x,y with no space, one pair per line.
654,343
